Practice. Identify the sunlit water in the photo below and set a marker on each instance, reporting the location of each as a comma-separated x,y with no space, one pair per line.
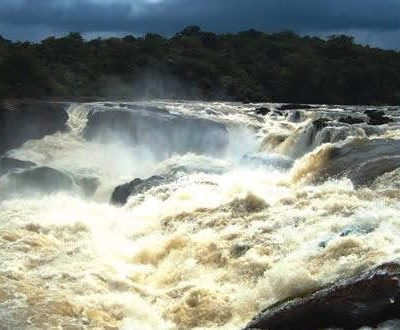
207,250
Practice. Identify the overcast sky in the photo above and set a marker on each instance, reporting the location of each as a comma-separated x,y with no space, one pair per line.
375,22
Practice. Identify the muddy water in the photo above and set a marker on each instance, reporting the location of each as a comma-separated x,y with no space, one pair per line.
209,248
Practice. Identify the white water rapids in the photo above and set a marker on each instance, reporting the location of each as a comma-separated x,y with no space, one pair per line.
207,250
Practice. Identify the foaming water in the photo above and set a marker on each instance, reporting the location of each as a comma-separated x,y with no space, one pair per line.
208,249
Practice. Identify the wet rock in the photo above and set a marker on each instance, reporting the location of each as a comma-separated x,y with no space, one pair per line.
351,120
10,164
295,107
361,160
262,111
364,300
377,118
20,122
162,132
320,123
42,179
121,194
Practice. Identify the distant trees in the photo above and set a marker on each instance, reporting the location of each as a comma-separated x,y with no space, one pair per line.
247,66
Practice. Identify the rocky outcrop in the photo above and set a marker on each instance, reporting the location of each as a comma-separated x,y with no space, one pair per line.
316,133
295,107
25,178
350,120
365,300
160,131
121,194
262,111
377,117
361,160
20,122
41,179
10,164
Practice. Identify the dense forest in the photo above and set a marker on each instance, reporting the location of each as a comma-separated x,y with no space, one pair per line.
193,64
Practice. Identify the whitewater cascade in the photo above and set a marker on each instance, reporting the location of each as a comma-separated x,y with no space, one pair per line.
252,208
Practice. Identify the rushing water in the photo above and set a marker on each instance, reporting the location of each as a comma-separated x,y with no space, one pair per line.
230,234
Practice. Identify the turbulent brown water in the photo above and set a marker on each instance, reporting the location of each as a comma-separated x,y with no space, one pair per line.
279,211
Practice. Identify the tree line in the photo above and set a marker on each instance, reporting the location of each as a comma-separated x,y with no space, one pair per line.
249,66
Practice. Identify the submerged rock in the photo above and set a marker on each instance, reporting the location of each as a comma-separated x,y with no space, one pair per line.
42,179
11,164
316,133
262,111
160,131
364,300
295,107
351,120
48,180
20,122
121,194
361,160
377,117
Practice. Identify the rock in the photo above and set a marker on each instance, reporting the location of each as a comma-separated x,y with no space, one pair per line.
295,107
316,133
320,123
11,164
121,194
377,117
361,160
350,120
161,132
364,300
42,179
262,111
20,122
49,180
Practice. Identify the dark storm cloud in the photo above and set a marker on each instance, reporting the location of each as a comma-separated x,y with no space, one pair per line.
27,19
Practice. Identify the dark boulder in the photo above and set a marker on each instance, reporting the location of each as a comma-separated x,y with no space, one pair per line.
10,164
41,179
365,300
160,131
262,111
351,120
121,194
377,118
295,107
320,123
20,122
